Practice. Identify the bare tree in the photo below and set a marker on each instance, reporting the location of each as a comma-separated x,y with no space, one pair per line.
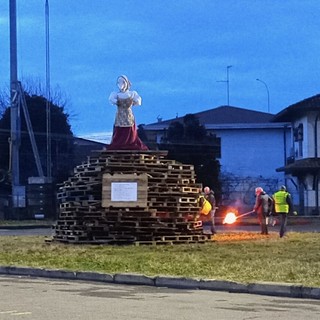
4,101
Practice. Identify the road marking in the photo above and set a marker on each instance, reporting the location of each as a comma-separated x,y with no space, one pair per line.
15,312
21,313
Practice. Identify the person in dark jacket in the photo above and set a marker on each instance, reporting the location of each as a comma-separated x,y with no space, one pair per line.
262,208
282,206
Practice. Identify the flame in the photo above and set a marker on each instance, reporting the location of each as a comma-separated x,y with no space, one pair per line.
230,218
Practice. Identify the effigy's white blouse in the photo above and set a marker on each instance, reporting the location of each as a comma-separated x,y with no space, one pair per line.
125,101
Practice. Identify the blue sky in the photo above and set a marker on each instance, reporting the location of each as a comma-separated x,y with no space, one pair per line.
175,53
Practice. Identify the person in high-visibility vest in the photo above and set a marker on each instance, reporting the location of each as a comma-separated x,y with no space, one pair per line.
209,195
282,207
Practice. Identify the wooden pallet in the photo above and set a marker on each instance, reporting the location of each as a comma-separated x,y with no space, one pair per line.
169,212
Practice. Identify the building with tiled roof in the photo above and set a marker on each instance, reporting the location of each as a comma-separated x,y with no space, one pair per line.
226,115
303,164
252,147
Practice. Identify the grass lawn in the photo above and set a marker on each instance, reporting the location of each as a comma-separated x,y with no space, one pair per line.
242,257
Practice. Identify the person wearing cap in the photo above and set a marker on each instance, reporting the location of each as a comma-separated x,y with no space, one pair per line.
282,207
125,135
209,196
262,208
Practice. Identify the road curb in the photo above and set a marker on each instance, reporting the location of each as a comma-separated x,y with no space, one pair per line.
221,285
310,293
94,276
176,282
276,289
126,278
261,288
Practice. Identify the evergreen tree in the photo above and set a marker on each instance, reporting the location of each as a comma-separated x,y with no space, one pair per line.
189,143
61,140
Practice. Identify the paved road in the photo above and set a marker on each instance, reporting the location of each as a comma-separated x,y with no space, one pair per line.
26,232
37,299
308,227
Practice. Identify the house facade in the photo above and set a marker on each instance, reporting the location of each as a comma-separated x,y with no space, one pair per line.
252,147
302,168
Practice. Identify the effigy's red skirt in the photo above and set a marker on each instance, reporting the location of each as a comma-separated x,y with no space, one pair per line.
126,138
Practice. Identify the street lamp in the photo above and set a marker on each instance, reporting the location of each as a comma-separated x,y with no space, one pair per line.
267,93
227,82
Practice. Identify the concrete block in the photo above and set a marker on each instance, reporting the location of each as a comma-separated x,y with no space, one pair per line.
59,274
133,279
38,272
22,271
94,276
176,282
221,285
310,293
276,289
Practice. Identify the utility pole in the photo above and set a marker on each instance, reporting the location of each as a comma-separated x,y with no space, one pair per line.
14,112
228,67
18,102
14,108
227,82
48,97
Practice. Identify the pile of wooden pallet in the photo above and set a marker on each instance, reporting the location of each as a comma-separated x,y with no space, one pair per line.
164,212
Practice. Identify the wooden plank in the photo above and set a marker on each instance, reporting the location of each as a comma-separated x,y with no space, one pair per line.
136,198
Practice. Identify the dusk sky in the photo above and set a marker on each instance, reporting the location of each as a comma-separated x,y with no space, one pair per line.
175,52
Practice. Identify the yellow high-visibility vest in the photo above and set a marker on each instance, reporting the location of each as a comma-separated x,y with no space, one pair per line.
206,206
280,201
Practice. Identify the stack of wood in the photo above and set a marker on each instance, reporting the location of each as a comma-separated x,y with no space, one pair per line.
130,197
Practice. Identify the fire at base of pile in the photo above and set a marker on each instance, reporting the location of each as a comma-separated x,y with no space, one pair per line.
130,197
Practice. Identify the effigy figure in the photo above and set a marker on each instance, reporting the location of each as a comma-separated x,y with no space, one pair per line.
125,135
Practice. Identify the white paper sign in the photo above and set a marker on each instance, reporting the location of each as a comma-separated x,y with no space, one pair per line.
124,191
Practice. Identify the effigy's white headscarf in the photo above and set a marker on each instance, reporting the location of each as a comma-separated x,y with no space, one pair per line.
124,86
123,83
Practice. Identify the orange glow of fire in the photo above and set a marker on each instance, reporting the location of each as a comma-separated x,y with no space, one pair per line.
230,218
